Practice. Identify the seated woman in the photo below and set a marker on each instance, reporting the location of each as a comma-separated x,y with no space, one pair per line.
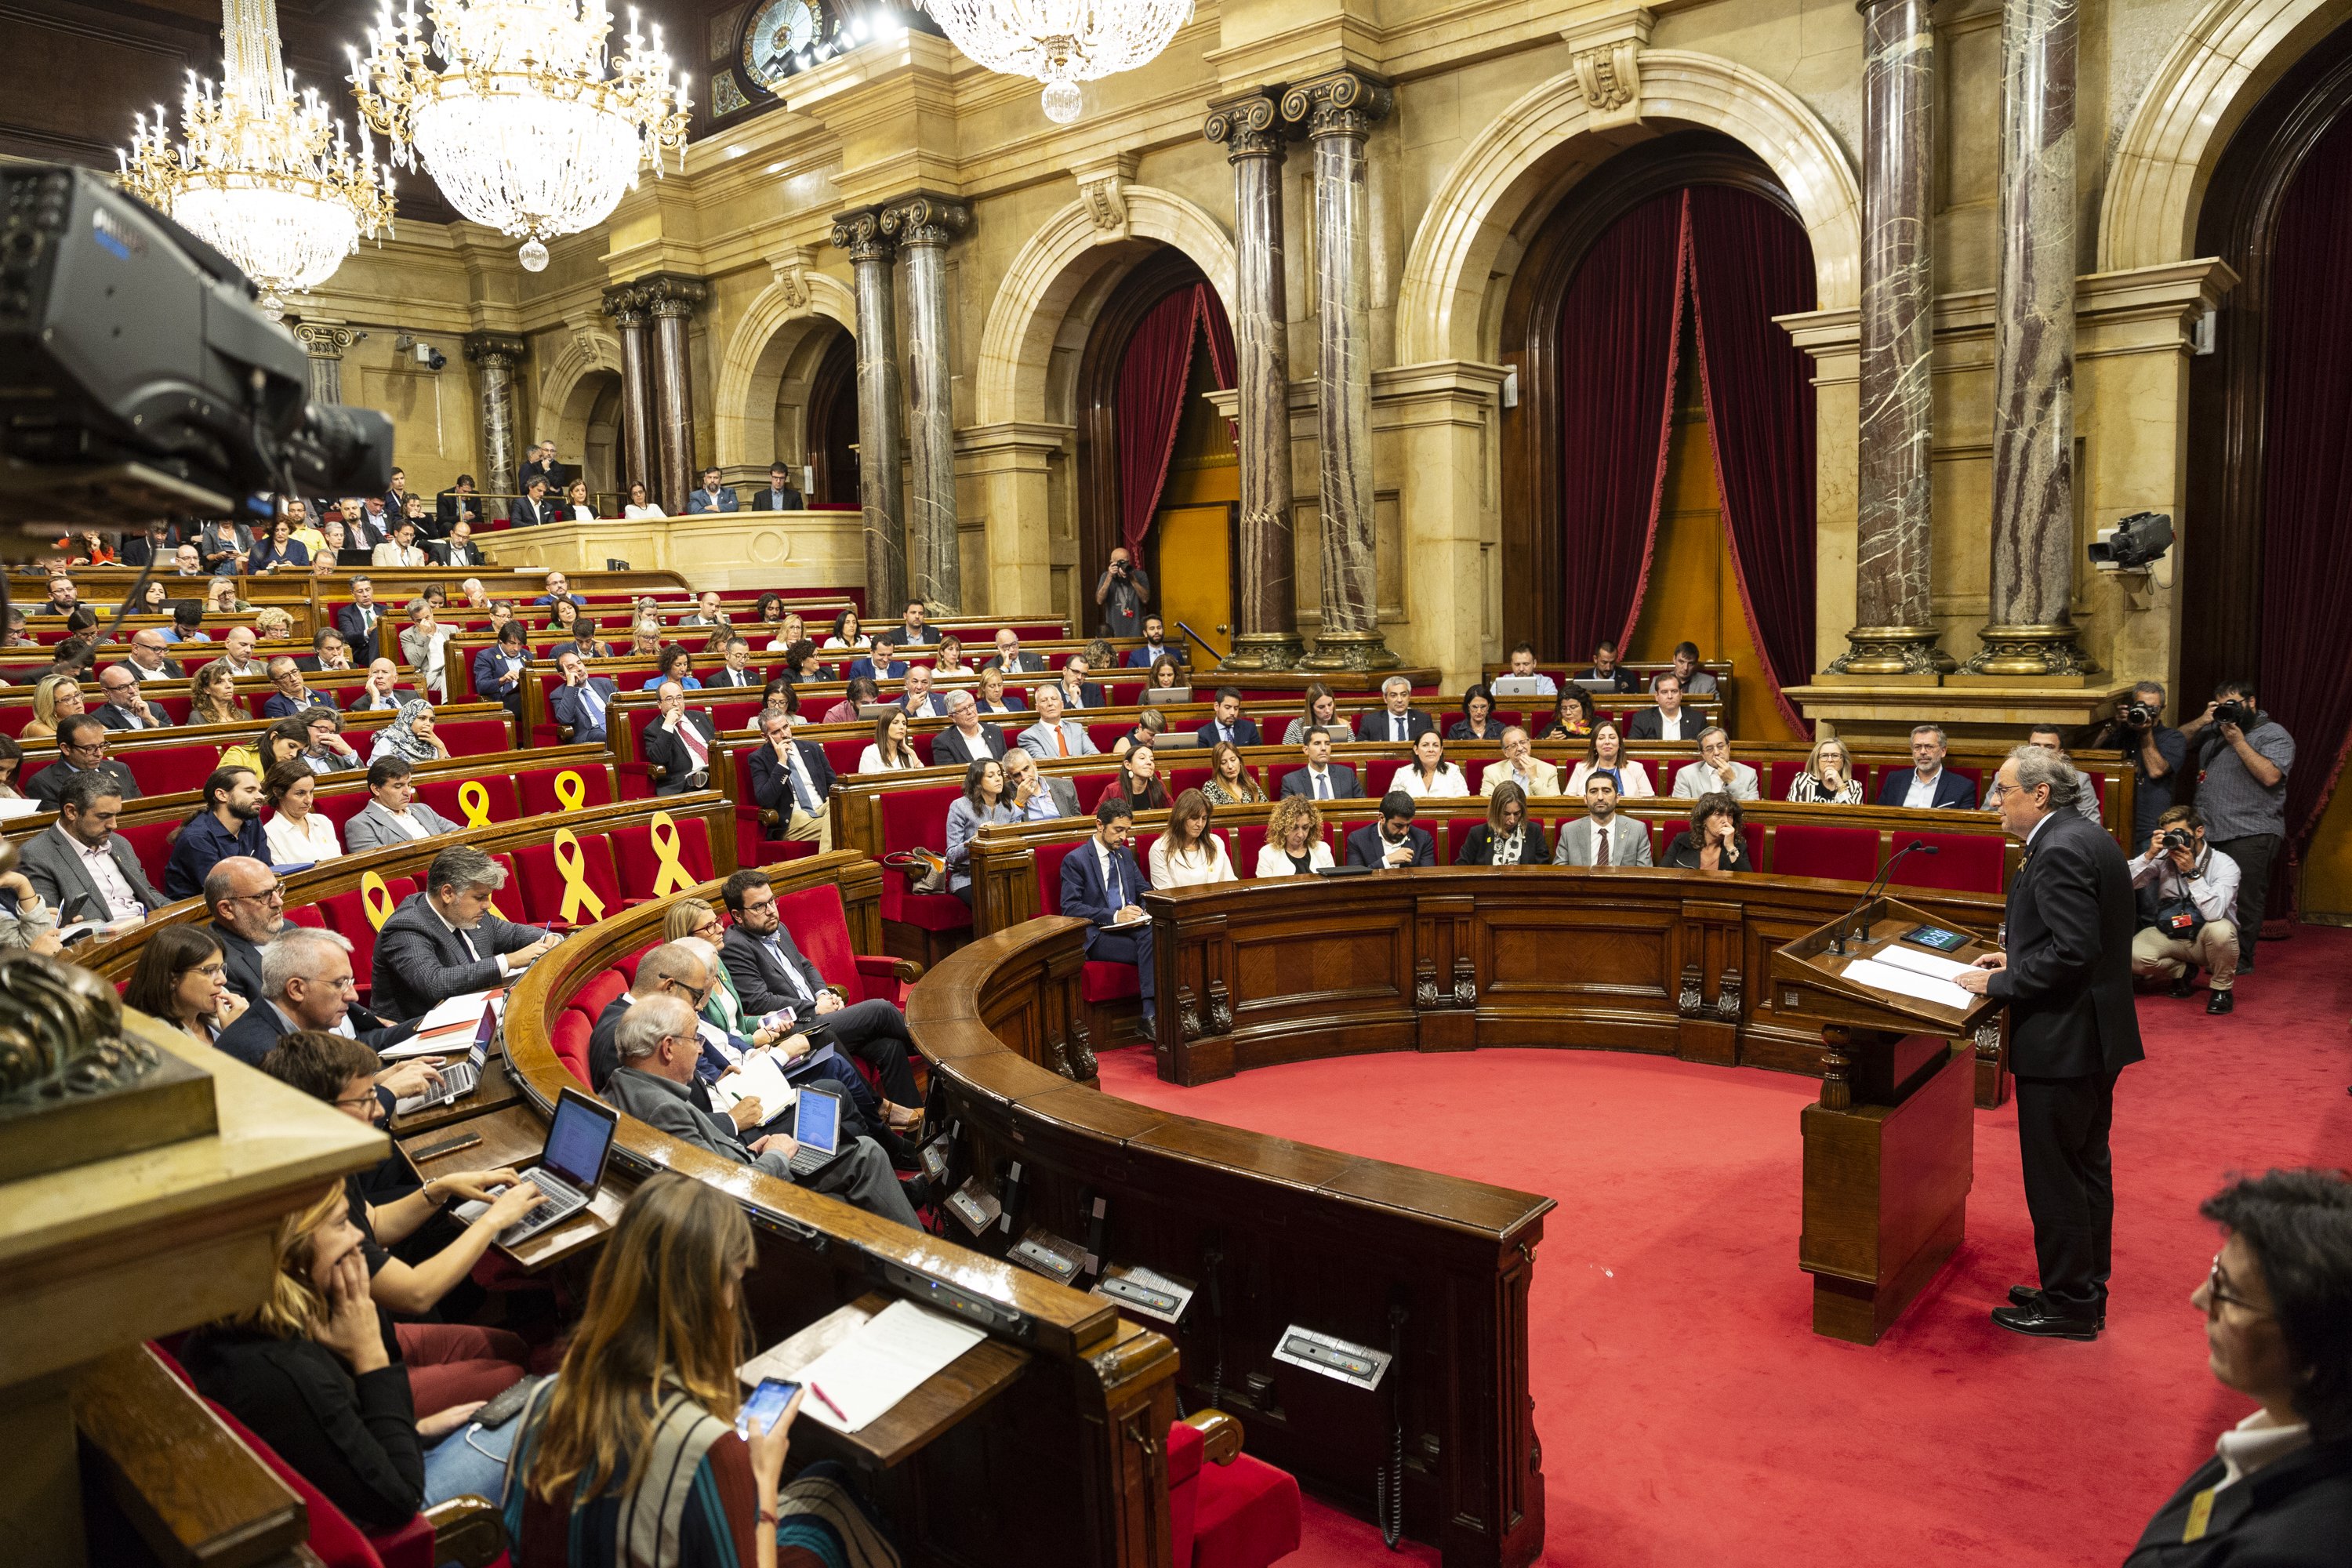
1230,783
1477,722
778,695
1508,837
801,664
57,697
1828,778
994,696
677,663
862,692
1166,673
635,1438
1572,716
951,659
156,599
846,636
212,696
1137,782
563,619
1712,842
409,736
983,803
1295,843
789,630
1604,752
639,505
285,740
273,623
576,507
1149,726
893,751
1188,855
281,549
182,979
1429,777
297,834
12,765
1323,713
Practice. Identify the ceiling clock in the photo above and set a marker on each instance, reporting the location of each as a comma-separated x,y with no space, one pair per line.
778,30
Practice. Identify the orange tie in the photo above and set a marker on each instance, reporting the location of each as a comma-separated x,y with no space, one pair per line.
1062,740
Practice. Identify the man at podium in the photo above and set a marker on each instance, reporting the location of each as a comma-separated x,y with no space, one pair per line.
2065,974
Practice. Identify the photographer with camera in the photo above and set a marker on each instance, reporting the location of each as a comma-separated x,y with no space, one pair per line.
2156,750
1123,592
2241,760
2195,889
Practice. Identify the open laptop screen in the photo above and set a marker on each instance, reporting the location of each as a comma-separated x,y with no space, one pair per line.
484,1034
579,1137
816,1123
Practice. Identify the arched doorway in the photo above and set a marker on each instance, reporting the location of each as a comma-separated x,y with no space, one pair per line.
832,424
588,431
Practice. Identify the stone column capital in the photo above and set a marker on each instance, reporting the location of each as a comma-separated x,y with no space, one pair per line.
504,348
627,304
926,219
862,234
666,296
1250,125
325,339
1344,104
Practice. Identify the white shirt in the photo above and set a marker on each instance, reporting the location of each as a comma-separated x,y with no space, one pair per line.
1319,784
1670,725
651,508
1388,726
466,939
2213,886
1451,782
158,673
1274,861
1922,792
406,821
1632,779
2255,1442
290,844
112,886
869,760
1189,870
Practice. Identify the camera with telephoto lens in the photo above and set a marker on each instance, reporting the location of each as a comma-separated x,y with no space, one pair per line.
2136,715
2180,838
2235,712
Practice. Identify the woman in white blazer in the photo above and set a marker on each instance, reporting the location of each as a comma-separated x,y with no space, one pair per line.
1294,839
1604,751
1188,855
1430,776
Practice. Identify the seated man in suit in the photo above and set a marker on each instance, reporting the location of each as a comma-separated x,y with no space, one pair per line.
79,866
151,658
459,504
913,631
735,664
1716,773
236,654
1668,722
772,975
1394,719
965,740
583,703
1520,766
1321,778
500,670
1229,724
1077,691
359,622
1052,735
658,1046
1696,682
1522,666
293,694
383,693
1102,885
247,904
534,506
1605,668
918,699
782,494
1393,840
711,495
1011,659
681,742
444,942
1601,837
882,664
125,708
793,779
458,550
303,978
1928,783
1156,646
1034,796
395,816
328,651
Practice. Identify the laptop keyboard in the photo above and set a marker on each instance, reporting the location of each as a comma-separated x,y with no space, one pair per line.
561,1198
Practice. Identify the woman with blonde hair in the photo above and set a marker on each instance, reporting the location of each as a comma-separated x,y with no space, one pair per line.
272,622
692,919
1322,711
1149,726
1293,843
1188,855
57,697
212,697
637,1437
1828,778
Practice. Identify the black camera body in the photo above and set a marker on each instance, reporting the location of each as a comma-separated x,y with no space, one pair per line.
2180,838
2235,712
2136,716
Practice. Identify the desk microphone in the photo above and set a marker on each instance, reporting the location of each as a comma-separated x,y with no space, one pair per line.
1846,931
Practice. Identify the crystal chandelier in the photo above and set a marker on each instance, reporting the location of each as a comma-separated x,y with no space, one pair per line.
1060,42
510,107
263,175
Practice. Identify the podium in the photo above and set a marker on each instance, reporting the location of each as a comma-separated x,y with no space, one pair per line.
1889,1150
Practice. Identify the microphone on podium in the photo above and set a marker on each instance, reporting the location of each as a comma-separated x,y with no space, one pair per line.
1846,931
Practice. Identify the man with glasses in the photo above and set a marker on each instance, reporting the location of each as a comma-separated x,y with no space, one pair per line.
247,904
81,749
124,708
304,980
80,868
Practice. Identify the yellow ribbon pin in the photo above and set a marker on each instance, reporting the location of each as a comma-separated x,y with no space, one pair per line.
675,878
576,890
476,801
375,899
571,790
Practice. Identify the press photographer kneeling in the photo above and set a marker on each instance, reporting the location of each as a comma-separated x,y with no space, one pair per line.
2196,895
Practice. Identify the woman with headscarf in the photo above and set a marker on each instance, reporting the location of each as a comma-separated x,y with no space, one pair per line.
410,735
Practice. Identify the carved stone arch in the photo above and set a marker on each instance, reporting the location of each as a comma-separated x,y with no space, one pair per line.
1538,146
779,338
573,382
1054,270
2232,55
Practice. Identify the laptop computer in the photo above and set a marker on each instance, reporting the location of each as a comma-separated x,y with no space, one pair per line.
1598,683
354,556
816,1128
1518,685
1160,696
579,1141
459,1078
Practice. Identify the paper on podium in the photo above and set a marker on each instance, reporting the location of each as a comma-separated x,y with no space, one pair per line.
1903,981
1934,965
871,1370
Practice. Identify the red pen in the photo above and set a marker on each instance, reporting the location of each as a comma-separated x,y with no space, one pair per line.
829,1405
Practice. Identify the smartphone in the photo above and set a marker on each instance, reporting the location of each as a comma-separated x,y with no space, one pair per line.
765,1408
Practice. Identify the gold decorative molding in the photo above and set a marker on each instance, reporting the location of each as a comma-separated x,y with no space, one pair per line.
1102,191
1606,59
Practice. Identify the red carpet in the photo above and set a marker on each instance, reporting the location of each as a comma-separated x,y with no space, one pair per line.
1687,1412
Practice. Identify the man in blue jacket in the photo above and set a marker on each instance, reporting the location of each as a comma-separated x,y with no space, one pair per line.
1929,783
1102,885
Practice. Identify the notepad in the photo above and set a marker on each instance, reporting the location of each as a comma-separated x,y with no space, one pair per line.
761,1077
868,1372
1903,982
1933,965
434,1030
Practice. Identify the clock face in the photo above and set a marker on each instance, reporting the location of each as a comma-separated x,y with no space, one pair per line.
779,30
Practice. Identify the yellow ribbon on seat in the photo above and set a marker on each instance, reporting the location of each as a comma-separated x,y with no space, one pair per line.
576,890
476,801
571,790
375,899
675,878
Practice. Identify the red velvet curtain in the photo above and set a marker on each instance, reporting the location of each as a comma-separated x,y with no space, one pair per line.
1618,331
2306,608
1153,371
1750,262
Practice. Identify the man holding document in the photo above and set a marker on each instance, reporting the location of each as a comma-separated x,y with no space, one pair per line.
2066,977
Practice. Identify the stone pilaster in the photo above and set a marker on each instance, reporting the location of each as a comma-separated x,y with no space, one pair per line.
2032,632
871,254
1340,111
640,462
924,226
325,341
671,301
494,356
1894,634
1253,132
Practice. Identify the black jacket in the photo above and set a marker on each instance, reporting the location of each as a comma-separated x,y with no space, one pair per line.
668,752
950,746
354,1438
1372,724
773,790
243,961
760,981
2295,1512
1649,723
50,783
420,964
1682,854
1478,847
366,647
1367,847
2068,982
251,1036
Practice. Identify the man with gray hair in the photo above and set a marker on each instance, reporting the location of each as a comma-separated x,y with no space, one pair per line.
1930,784
1716,773
2066,977
306,983
966,739
2051,738
444,942
1396,718
658,1046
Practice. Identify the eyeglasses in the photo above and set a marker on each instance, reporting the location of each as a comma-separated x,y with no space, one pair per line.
2217,1295
350,1100
273,894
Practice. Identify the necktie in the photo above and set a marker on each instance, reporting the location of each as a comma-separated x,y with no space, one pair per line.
1062,740
1396,728
1600,846
593,701
1323,786
792,973
693,742
465,941
804,789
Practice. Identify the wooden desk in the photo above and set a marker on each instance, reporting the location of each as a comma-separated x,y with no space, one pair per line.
495,1092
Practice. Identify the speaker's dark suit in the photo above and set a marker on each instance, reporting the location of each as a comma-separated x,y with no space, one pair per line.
1086,895
528,513
774,973
2073,1028
786,499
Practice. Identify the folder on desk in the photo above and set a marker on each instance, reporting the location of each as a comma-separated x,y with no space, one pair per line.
869,1369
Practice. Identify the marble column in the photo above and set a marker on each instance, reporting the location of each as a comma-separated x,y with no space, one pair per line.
2032,632
1895,632
325,341
1266,633
671,301
1340,111
871,254
923,227
494,356
639,461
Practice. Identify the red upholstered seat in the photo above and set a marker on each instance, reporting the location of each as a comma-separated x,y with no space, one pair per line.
475,737
820,926
151,842
305,915
339,807
1804,850
912,818
1181,779
922,741
441,795
1241,1514
1963,862
1248,840
346,913
544,883
640,866
570,1038
1781,775
1377,773
841,756
597,994
1097,981
537,789
167,770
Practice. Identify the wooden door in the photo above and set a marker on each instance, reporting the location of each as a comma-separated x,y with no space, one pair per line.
1196,572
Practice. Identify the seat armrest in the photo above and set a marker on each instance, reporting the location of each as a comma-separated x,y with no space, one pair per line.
1220,1435
876,967
468,1531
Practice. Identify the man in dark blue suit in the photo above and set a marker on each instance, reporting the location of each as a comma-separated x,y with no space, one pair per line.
2066,977
1155,647
791,781
882,664
500,670
1393,840
583,702
1929,783
1102,885
1229,724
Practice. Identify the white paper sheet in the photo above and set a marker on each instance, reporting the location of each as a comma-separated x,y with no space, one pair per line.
1933,964
465,1010
760,1078
1904,983
898,1349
